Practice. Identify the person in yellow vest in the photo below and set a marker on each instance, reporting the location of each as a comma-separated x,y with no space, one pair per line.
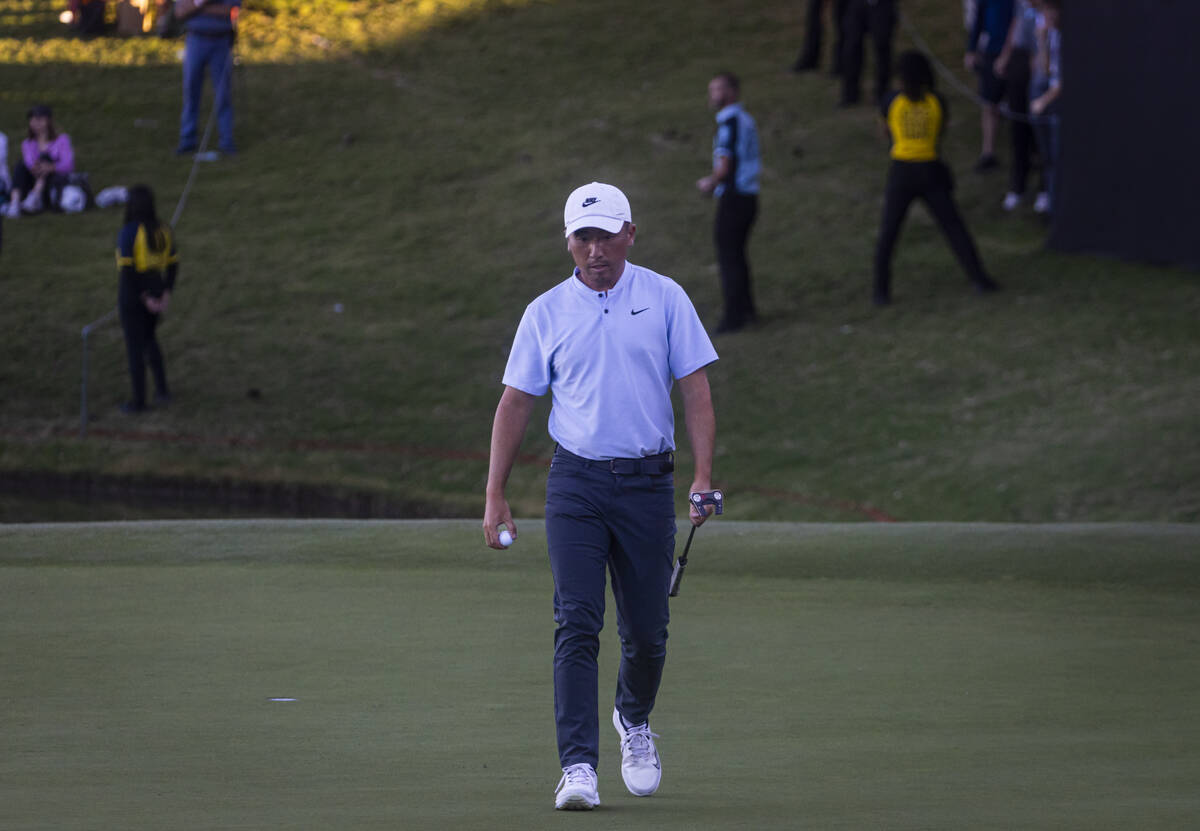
915,117
148,263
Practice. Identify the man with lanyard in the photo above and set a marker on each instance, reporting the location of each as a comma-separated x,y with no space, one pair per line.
608,342
210,31
734,180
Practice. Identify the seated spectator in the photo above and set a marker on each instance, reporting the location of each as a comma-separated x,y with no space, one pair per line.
47,161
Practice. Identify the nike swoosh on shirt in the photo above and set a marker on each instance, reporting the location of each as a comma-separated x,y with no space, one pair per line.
638,311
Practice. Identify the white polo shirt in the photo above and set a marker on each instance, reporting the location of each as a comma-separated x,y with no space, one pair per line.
609,359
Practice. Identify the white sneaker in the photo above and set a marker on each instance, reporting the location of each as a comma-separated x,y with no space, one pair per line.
1011,200
1041,205
576,790
12,210
32,203
640,766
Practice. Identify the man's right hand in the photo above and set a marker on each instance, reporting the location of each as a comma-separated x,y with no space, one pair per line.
495,514
1000,66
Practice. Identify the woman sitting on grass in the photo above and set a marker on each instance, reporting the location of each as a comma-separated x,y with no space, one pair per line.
916,119
47,160
148,264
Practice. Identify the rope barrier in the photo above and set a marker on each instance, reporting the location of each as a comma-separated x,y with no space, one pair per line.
960,87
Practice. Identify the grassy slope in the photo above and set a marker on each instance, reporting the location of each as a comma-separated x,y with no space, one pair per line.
419,185
828,676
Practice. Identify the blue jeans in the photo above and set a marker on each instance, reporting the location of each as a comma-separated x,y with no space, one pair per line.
598,520
214,53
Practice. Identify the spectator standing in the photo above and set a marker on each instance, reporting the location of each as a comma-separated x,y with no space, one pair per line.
210,27
1045,87
1014,64
5,184
148,263
87,16
734,182
862,16
810,53
916,119
47,160
608,344
985,42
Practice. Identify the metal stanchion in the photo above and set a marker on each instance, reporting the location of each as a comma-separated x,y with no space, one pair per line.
83,391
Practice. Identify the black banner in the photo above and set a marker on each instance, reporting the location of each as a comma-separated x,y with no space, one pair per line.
1129,172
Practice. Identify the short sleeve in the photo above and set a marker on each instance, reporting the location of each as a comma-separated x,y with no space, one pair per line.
528,366
723,145
125,245
690,347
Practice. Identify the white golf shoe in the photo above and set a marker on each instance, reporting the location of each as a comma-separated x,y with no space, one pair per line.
576,790
640,766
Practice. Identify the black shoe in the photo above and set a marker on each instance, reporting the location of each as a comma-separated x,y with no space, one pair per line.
881,299
986,163
185,150
986,285
132,408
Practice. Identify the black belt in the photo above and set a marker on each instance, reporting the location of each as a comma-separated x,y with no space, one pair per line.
645,466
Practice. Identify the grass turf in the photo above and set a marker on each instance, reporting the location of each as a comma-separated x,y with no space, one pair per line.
413,168
824,676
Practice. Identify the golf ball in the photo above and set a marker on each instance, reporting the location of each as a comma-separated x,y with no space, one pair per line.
506,538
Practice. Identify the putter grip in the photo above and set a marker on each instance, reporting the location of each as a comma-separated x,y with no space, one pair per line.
677,577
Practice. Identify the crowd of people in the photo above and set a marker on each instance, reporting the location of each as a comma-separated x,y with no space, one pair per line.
1013,46
44,178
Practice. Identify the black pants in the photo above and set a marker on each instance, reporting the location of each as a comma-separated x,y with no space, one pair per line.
736,213
141,347
24,181
879,18
933,183
1017,77
810,53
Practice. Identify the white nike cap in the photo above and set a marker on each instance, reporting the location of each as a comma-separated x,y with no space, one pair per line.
596,206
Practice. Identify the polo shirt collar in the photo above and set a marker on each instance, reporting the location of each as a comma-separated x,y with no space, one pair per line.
728,110
621,281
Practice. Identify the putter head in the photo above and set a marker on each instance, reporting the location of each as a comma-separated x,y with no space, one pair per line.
715,498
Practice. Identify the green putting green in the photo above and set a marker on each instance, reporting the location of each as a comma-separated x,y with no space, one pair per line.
370,675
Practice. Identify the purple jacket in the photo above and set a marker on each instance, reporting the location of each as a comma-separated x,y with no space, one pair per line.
59,150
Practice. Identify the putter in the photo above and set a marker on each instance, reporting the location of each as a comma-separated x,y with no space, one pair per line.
699,500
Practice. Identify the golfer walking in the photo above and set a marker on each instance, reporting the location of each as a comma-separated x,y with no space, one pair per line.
608,343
